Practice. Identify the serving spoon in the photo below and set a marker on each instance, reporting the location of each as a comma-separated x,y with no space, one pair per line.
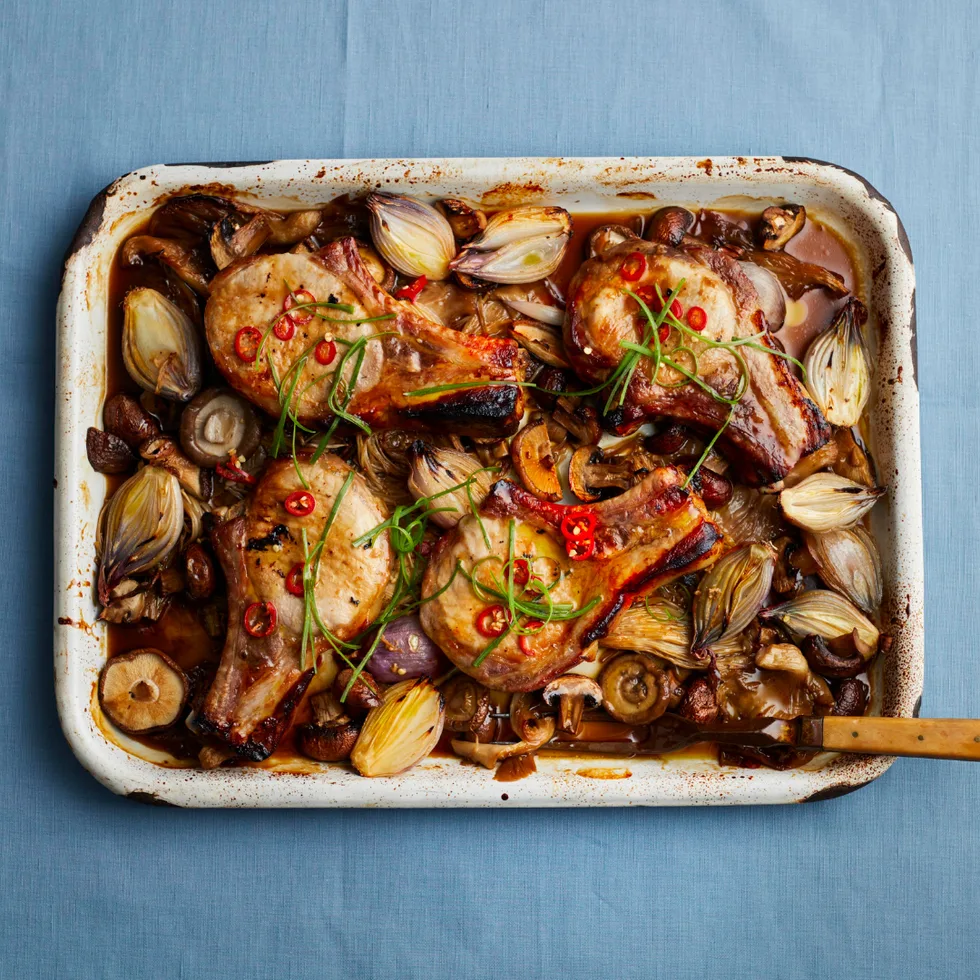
929,738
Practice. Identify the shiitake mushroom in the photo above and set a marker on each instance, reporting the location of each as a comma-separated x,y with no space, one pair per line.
363,695
217,423
125,417
143,691
107,453
669,225
534,460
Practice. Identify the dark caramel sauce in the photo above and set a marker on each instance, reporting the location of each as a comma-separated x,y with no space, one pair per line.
179,631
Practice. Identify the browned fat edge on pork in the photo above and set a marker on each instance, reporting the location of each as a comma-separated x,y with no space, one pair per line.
696,545
247,660
482,412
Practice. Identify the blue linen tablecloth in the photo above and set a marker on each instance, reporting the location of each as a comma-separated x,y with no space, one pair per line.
881,883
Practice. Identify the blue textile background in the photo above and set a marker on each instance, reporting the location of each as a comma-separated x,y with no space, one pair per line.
882,883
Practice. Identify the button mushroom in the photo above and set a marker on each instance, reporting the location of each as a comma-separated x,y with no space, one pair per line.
216,424
327,743
636,689
363,695
590,473
606,237
572,693
534,460
142,691
533,729
126,418
669,225
779,224
107,453
467,704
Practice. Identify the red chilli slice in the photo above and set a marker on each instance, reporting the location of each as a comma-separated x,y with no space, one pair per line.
260,619
412,290
302,297
247,342
521,571
284,328
233,472
491,621
300,503
634,266
697,319
325,352
576,526
294,580
580,549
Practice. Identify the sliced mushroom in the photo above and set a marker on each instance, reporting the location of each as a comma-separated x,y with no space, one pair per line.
605,237
216,424
142,691
826,455
467,704
464,220
327,743
823,660
107,453
572,693
230,241
668,226
534,460
126,418
165,453
543,342
533,729
779,224
636,689
798,277
589,473
581,422
183,259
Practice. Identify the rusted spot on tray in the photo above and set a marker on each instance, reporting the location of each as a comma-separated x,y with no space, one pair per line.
706,165
150,799
91,223
223,164
832,792
509,194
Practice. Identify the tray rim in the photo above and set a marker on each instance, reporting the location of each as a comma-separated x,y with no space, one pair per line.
301,786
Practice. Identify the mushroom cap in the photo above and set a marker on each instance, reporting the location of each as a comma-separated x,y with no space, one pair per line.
573,686
142,691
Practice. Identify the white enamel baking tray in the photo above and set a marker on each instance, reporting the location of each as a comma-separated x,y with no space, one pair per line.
835,195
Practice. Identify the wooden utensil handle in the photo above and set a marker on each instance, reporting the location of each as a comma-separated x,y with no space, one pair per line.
934,738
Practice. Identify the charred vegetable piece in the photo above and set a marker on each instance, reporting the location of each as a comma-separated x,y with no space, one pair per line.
434,471
216,424
142,691
464,220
